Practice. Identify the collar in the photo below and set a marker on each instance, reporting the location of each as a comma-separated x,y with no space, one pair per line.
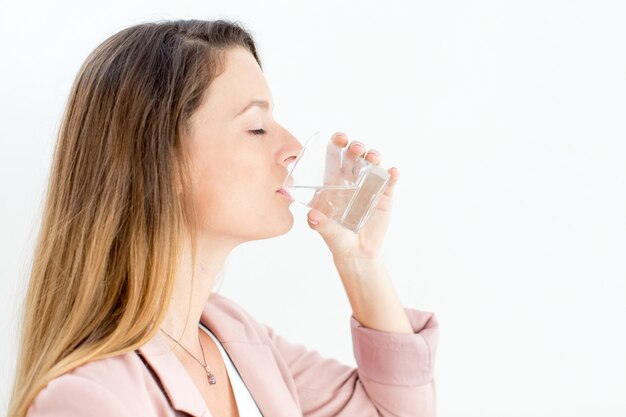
178,386
253,359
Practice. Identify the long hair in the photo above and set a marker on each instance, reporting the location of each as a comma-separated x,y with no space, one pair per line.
118,202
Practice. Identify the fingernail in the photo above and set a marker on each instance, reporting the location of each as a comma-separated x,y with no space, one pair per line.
311,221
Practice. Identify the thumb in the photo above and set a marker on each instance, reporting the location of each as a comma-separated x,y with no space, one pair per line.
320,222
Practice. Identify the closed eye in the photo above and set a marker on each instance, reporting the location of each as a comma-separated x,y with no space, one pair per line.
258,132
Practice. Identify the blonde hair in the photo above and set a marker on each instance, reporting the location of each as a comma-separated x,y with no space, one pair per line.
118,202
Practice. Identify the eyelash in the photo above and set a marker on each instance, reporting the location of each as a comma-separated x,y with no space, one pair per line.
258,132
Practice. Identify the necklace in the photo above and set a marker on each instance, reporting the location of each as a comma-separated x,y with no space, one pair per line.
208,371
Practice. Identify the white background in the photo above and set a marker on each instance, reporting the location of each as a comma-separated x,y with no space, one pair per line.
507,123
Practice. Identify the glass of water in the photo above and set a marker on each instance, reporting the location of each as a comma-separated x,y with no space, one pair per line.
326,177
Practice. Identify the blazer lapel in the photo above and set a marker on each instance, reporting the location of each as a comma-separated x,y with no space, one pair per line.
176,383
253,359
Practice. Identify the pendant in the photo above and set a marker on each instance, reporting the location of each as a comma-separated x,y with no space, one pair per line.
211,377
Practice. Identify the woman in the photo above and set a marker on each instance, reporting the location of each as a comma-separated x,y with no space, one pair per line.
167,159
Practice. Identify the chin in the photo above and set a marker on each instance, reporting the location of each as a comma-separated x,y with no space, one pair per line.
274,229
289,224
285,226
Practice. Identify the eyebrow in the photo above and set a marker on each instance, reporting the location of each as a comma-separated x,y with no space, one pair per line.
259,103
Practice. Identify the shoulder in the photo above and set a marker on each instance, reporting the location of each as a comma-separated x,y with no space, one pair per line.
112,386
232,322
229,307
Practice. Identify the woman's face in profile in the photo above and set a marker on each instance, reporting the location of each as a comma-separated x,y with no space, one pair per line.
235,172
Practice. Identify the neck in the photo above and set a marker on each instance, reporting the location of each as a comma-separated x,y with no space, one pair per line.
191,293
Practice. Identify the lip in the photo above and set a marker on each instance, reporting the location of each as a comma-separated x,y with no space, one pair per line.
284,193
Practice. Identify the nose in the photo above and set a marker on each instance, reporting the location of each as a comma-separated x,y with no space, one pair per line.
291,149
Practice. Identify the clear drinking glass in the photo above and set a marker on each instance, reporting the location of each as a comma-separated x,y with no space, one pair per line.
326,177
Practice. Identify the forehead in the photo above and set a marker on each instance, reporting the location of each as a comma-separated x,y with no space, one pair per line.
241,81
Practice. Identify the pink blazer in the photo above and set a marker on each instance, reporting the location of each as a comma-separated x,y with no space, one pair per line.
394,374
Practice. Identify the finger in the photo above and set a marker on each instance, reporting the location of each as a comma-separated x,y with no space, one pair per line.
320,222
357,148
332,169
340,139
373,156
393,180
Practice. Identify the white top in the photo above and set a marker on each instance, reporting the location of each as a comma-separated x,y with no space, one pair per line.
245,403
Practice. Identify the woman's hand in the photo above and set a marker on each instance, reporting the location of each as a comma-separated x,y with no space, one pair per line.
366,245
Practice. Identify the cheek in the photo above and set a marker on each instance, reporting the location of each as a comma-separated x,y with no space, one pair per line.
231,185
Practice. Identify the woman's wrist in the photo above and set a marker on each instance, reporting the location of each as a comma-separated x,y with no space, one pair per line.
372,295
359,265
